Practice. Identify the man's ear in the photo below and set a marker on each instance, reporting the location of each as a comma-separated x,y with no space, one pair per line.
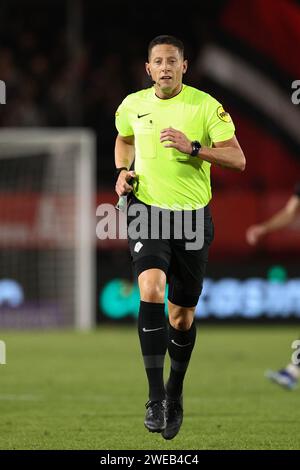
185,66
147,67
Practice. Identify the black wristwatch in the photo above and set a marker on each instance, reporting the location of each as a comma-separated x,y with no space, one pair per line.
196,146
118,170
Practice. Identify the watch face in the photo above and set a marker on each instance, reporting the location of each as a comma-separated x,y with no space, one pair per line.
195,148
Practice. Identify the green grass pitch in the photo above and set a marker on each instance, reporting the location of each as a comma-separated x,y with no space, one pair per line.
68,390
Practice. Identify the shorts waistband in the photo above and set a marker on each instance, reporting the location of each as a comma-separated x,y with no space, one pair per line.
134,199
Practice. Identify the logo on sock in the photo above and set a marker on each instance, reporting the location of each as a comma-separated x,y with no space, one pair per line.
147,330
138,246
180,345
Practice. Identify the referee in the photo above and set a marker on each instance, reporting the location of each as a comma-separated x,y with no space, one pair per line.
173,133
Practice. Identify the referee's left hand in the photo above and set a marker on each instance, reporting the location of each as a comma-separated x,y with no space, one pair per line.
176,139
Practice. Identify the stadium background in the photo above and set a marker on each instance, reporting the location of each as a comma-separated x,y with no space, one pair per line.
69,64
65,65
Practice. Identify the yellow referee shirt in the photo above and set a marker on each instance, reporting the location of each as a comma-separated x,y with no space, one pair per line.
168,178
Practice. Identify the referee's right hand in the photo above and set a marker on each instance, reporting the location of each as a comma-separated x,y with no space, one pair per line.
123,184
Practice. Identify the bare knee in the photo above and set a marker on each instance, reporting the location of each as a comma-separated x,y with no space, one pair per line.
181,318
152,284
152,293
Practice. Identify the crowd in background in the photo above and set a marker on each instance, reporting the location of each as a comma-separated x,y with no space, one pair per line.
72,62
57,75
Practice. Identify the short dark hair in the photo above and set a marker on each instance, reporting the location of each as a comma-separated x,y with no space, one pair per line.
166,39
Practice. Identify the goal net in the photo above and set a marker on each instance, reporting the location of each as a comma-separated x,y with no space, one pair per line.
47,228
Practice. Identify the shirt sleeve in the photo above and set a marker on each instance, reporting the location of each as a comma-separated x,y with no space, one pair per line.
219,123
122,120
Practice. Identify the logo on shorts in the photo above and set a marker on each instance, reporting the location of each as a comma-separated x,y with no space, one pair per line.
138,247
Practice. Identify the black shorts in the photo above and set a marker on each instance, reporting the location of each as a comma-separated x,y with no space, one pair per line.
185,269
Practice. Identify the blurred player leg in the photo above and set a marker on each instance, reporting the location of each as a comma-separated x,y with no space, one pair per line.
287,377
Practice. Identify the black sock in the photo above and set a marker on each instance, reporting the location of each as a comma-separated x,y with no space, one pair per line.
180,347
152,328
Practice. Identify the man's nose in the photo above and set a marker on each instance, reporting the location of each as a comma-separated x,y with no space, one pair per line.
165,66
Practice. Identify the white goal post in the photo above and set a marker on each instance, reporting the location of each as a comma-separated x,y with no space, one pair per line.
47,228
